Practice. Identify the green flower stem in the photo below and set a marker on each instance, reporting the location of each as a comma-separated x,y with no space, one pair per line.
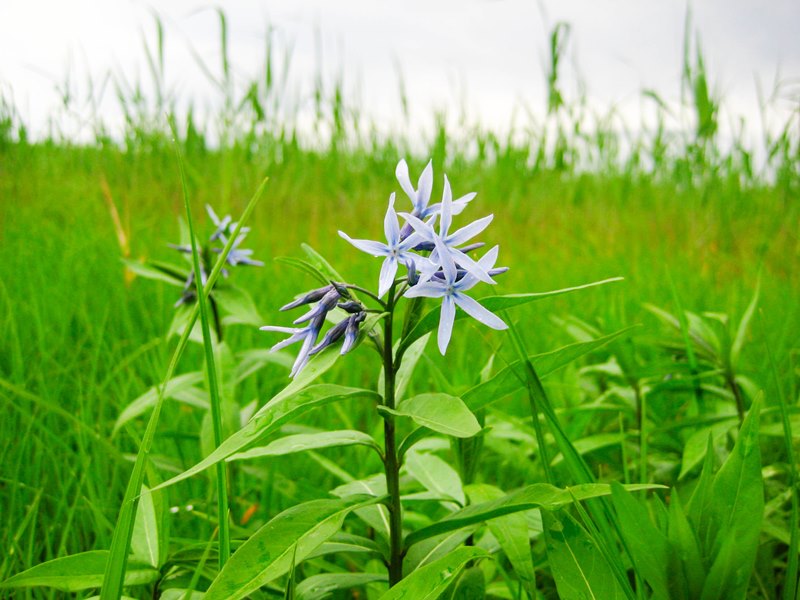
391,461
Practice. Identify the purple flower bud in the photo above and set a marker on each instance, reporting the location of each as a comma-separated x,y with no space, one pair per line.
334,333
351,306
413,276
310,297
351,334
327,303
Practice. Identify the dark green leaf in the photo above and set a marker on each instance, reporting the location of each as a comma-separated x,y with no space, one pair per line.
431,581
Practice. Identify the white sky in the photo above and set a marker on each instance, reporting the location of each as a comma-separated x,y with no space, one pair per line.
485,55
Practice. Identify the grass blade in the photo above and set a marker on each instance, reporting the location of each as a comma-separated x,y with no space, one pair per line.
211,370
114,575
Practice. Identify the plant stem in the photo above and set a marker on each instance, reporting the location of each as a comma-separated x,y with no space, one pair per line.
391,462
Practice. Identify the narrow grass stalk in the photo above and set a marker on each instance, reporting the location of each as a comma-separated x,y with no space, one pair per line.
643,433
213,386
114,575
687,341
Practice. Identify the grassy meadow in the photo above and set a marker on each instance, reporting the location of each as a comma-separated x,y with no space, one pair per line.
690,224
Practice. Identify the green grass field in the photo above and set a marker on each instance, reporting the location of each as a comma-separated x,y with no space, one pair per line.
688,227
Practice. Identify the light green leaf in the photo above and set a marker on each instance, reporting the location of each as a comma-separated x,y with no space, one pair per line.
376,516
578,566
321,586
435,475
440,412
537,495
287,538
646,544
493,303
408,366
736,513
685,561
145,542
694,451
158,271
271,417
741,331
237,306
78,572
512,377
309,441
431,581
511,532
175,387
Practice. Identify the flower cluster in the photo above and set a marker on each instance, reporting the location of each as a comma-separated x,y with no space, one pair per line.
437,263
333,295
216,242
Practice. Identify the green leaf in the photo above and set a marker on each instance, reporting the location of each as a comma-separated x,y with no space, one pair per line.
158,271
647,546
309,441
511,532
271,417
736,513
177,387
512,378
537,495
408,366
433,548
321,586
435,475
237,306
471,585
79,572
303,265
741,331
431,581
145,546
270,551
321,264
578,566
376,516
685,561
493,303
440,412
694,451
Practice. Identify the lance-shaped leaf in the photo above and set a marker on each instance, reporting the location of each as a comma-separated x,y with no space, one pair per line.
577,564
436,476
269,420
646,544
301,442
511,532
323,585
430,582
512,377
79,572
492,303
284,540
180,387
736,512
440,412
537,495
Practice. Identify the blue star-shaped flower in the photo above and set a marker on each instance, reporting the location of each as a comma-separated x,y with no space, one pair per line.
395,249
450,288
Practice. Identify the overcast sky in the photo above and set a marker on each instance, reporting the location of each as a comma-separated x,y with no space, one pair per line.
485,55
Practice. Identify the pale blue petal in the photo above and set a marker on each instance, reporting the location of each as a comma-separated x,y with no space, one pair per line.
421,227
424,188
460,204
410,242
446,260
428,289
368,246
302,357
388,271
405,182
446,323
471,266
477,311
391,227
469,231
447,214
